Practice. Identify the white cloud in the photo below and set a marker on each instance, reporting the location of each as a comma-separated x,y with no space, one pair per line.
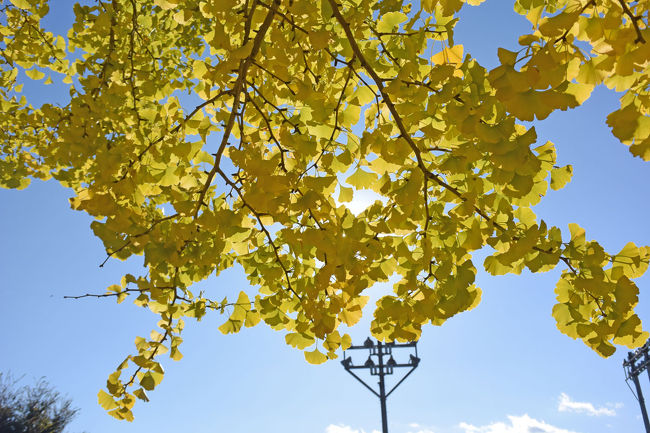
518,424
341,428
418,428
567,405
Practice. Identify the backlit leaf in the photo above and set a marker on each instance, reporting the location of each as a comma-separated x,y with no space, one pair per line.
315,357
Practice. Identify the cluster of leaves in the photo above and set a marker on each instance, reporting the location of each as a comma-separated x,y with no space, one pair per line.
589,43
301,102
32,409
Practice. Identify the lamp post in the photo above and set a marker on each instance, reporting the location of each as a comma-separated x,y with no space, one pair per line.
634,365
378,366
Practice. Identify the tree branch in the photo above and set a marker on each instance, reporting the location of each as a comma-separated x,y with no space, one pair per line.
404,133
173,131
236,92
263,228
635,22
393,110
131,237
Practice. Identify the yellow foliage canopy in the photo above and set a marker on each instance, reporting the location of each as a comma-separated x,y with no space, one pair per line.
294,102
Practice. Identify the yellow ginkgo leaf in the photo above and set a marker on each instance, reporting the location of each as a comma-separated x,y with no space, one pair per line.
315,357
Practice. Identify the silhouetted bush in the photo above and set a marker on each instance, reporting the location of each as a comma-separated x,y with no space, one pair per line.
32,409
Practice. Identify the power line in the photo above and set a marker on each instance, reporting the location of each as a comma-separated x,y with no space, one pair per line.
634,365
377,352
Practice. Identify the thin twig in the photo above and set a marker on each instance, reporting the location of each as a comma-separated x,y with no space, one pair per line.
635,19
258,216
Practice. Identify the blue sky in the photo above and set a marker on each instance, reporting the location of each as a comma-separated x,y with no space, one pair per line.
501,368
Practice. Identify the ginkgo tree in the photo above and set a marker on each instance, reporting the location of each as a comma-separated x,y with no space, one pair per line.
201,134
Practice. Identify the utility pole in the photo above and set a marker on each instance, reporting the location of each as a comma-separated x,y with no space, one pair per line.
634,365
381,368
